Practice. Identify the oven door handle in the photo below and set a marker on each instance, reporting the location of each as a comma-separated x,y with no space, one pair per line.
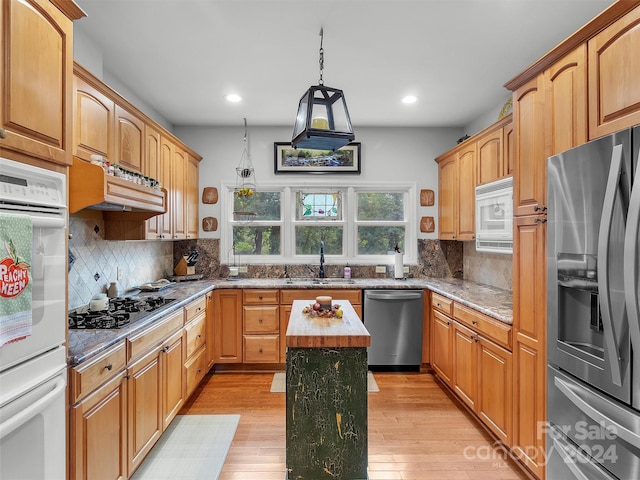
610,338
601,410
30,410
631,267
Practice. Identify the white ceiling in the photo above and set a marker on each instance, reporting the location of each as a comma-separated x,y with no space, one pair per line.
184,56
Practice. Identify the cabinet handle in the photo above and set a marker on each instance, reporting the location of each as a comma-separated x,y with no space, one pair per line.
540,220
539,208
260,351
165,349
199,370
3,133
108,367
448,323
260,297
260,320
474,322
199,336
127,376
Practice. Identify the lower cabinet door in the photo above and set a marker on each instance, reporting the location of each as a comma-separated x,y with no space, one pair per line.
173,394
465,374
144,413
98,433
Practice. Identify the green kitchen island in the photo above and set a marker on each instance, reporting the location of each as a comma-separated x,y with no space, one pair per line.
326,383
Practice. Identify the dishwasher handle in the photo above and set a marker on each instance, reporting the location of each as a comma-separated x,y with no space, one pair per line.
393,295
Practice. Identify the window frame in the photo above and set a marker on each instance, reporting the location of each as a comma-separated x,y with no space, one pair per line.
288,222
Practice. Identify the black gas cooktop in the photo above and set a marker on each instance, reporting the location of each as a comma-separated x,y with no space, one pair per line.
121,312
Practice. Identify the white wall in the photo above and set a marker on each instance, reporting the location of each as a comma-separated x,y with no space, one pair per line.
387,154
486,119
89,55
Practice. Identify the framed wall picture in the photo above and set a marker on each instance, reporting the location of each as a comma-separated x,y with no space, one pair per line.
302,160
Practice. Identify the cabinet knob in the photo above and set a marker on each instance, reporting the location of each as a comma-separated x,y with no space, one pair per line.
165,349
260,351
127,376
3,133
108,367
474,322
260,320
199,336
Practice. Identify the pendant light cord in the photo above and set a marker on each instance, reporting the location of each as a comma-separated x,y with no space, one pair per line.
321,81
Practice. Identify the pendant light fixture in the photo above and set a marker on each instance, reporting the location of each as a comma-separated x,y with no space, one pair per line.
323,121
245,184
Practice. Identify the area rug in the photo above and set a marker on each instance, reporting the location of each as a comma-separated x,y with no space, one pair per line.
278,384
192,448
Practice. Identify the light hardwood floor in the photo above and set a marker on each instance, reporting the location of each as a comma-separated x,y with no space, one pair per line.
416,430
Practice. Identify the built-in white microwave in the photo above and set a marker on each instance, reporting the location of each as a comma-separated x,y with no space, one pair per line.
494,216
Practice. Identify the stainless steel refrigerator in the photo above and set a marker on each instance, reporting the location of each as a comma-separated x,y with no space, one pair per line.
593,313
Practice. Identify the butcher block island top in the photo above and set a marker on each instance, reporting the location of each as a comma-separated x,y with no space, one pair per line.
311,331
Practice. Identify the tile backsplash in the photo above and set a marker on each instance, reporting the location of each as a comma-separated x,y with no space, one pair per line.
97,259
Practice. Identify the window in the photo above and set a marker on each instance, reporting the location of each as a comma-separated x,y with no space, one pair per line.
287,223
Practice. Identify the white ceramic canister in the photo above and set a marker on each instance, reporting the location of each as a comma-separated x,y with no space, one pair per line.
99,302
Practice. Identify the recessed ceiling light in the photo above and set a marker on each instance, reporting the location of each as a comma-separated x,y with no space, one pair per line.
409,99
233,98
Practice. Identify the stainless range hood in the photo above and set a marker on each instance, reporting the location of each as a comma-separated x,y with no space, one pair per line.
91,188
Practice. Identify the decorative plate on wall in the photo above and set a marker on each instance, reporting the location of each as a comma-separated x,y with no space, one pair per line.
427,198
427,225
210,195
209,224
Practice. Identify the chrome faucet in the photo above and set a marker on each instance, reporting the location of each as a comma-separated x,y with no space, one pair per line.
321,271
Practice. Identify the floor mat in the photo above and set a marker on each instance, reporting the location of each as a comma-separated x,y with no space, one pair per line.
193,447
278,384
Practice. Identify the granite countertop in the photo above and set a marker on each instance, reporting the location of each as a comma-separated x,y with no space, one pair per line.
495,302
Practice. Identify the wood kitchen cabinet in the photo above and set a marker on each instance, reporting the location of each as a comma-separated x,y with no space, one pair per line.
178,194
153,169
614,69
94,119
155,373
261,326
130,140
529,352
565,102
470,352
494,154
456,187
228,326
192,198
529,180
98,417
195,328
36,80
209,330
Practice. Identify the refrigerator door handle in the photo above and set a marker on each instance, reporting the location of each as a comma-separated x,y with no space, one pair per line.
610,337
631,264
601,411
577,462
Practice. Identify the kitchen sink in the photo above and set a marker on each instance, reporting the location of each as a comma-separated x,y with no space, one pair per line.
318,281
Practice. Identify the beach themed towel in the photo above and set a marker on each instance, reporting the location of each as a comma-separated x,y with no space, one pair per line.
16,238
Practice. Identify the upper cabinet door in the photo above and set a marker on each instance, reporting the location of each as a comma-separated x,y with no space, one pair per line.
448,198
565,102
93,123
490,156
529,179
36,80
614,92
129,140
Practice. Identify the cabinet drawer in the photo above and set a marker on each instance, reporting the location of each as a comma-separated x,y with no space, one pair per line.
154,335
260,296
261,319
88,376
495,330
195,369
443,304
288,296
261,348
195,333
195,308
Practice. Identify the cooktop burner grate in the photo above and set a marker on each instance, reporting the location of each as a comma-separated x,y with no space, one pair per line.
121,312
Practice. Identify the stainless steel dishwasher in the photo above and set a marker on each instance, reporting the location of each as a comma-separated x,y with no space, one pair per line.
394,320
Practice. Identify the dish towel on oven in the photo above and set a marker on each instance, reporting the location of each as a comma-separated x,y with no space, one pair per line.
16,239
